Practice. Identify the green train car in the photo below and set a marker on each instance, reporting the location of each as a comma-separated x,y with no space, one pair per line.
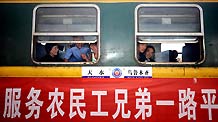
116,25
160,56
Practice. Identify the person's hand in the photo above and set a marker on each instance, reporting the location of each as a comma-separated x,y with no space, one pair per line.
65,60
94,48
84,57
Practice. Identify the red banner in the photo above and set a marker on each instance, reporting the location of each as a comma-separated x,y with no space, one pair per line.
108,100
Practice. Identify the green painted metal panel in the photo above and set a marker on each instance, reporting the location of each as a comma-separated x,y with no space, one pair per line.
117,34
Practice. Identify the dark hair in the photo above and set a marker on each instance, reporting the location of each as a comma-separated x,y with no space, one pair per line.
175,54
140,43
80,38
49,46
149,46
93,43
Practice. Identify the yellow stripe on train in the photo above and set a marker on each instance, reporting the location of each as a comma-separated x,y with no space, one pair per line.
26,71
157,72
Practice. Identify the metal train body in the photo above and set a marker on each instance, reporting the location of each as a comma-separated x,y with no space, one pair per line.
117,36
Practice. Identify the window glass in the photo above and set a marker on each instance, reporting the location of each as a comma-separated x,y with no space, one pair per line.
169,19
54,19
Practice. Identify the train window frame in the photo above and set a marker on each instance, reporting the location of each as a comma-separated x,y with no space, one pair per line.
200,34
66,34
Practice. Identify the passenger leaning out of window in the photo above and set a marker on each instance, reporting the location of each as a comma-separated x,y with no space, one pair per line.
52,55
140,51
149,54
94,52
78,53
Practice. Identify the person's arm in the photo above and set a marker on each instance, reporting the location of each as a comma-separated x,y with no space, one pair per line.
89,54
68,54
95,51
84,57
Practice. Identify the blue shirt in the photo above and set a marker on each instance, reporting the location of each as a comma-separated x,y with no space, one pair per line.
74,54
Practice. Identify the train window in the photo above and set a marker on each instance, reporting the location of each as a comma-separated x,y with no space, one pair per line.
169,34
66,34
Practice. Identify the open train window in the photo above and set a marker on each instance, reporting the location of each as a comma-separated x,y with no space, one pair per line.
169,34
66,34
